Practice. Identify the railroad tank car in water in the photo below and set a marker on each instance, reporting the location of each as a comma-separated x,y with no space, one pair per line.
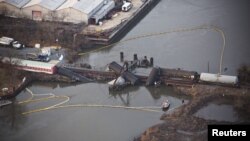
178,73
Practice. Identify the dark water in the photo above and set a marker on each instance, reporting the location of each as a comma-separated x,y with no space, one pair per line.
81,123
218,112
188,50
224,110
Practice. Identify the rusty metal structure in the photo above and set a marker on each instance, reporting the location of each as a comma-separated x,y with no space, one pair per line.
122,71
172,77
178,73
153,76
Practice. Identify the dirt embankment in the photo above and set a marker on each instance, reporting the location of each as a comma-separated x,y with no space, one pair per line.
9,78
46,33
13,79
181,124
203,94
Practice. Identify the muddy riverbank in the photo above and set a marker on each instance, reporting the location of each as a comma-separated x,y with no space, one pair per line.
183,123
26,78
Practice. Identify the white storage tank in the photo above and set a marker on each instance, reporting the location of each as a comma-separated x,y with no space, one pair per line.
215,78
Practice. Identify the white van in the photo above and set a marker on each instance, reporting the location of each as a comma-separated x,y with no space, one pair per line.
17,45
127,6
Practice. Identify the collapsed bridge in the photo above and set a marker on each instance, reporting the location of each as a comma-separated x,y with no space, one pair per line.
173,77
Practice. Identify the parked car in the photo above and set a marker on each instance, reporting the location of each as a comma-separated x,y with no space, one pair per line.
44,57
37,57
17,45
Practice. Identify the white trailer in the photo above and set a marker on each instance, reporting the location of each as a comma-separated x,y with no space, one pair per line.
33,66
10,42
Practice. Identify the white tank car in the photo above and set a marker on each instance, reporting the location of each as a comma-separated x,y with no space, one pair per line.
215,78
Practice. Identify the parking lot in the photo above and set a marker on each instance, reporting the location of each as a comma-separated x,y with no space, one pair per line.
21,53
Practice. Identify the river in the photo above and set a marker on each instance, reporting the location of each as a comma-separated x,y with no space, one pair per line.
192,50
85,123
186,50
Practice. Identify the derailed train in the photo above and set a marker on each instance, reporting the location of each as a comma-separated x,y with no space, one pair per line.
207,78
178,73
177,76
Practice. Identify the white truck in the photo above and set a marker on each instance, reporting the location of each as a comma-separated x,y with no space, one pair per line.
10,42
126,6
46,50
6,41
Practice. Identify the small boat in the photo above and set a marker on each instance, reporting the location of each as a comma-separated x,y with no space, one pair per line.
157,83
165,105
4,102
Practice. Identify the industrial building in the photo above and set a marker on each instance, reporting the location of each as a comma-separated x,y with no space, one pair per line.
108,5
12,8
84,10
75,11
42,9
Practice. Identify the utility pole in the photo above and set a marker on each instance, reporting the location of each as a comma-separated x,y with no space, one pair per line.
74,39
208,66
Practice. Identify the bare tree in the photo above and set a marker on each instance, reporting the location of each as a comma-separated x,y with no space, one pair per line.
9,71
63,16
244,74
3,10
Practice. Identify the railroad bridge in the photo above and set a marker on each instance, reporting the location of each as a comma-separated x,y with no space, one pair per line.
172,77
